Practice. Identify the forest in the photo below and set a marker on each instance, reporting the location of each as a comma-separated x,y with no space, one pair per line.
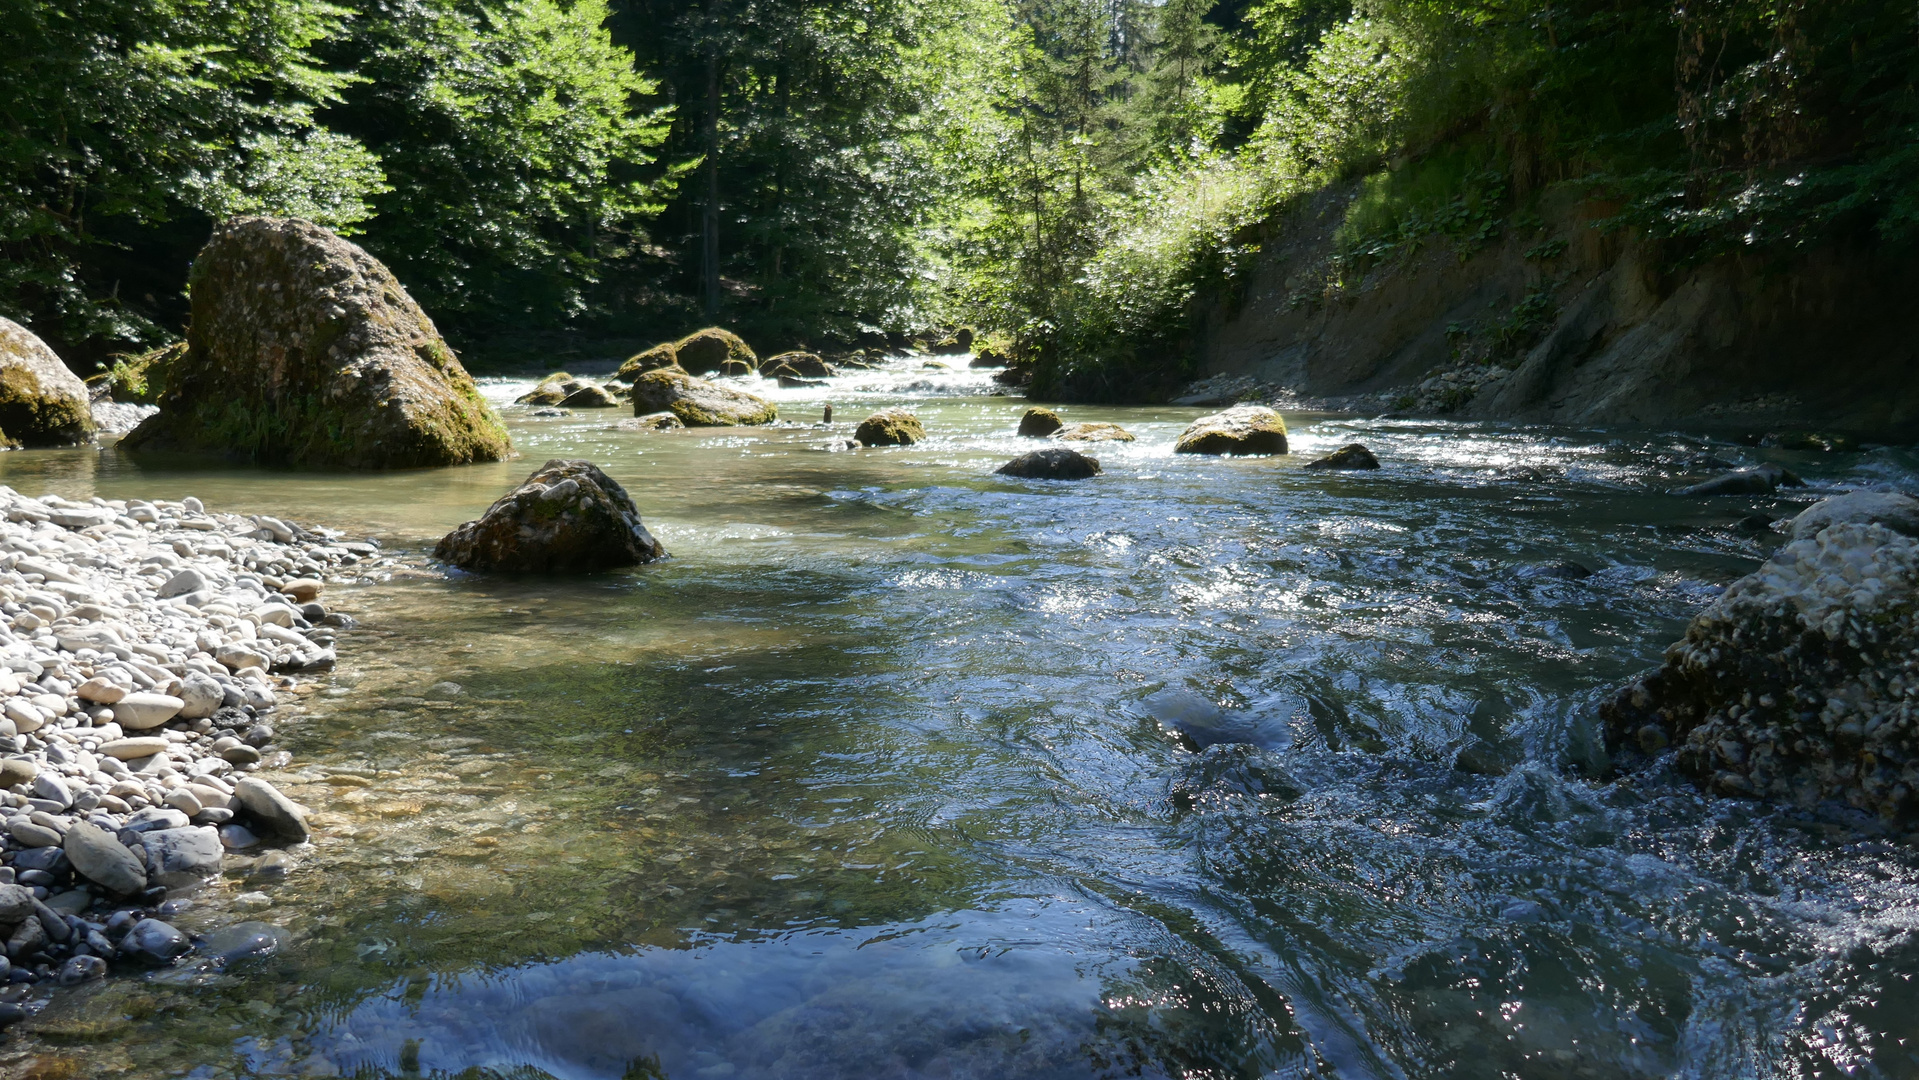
1081,177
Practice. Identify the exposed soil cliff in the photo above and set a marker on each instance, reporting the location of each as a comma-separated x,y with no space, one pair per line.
1562,322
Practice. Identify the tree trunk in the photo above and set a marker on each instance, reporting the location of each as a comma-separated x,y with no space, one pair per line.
710,218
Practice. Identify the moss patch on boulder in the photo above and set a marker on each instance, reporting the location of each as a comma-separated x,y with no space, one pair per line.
653,359
305,350
41,402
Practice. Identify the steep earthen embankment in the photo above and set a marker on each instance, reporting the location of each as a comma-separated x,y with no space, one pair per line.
1566,323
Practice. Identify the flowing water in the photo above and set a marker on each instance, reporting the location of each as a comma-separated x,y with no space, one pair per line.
891,771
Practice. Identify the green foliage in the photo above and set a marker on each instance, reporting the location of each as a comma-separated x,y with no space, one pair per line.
512,137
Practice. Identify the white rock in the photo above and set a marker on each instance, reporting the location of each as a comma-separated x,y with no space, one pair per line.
138,712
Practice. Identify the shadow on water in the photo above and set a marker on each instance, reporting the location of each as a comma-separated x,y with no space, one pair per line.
902,769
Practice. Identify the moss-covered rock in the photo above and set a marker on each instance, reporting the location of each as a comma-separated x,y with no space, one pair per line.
41,402
1039,422
802,365
304,350
567,516
1244,429
590,396
653,359
136,379
705,351
1093,433
698,403
890,427
1052,463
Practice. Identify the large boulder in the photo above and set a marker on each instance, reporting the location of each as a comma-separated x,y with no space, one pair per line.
304,350
890,427
568,516
1900,513
703,352
1039,422
1052,463
804,365
698,403
41,402
1797,682
1244,429
653,359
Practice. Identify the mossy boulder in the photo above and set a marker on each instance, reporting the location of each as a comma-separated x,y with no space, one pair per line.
41,402
802,365
551,391
703,352
567,516
305,350
890,427
1093,433
1244,429
1052,463
698,403
590,396
1039,422
653,359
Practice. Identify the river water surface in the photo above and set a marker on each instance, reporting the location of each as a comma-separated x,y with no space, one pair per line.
897,768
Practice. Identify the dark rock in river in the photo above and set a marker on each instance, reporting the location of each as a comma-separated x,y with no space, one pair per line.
653,359
1900,513
1758,480
42,403
803,365
304,350
590,396
1799,681
1198,723
1052,463
698,403
1352,456
704,351
1559,570
1224,772
890,427
1039,422
568,516
1245,429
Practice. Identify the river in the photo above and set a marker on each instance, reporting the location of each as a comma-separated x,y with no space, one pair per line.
889,772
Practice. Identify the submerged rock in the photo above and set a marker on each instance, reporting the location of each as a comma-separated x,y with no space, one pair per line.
1052,463
890,427
653,359
1900,513
1242,430
705,351
551,391
304,350
698,403
1352,456
590,396
659,421
41,402
1758,480
1093,433
1224,772
1798,682
1039,422
567,516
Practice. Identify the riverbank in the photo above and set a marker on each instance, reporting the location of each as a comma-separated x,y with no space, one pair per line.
147,652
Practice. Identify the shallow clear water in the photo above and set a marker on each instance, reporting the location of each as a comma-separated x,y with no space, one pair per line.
878,775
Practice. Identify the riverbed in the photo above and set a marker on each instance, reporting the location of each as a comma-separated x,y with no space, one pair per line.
893,769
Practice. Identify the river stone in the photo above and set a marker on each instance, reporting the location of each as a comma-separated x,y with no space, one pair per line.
155,818
42,403
698,403
705,351
568,516
1758,480
551,390
1039,422
1244,429
200,696
1052,463
103,859
32,835
1792,684
1900,513
653,359
17,771
1352,456
890,427
16,903
154,942
303,349
180,857
182,583
244,939
590,397
273,810
1093,433
100,691
806,365
238,655
659,421
138,712
53,789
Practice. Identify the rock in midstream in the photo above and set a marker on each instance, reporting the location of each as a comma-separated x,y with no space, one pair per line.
567,516
143,645
1242,430
1052,463
1798,682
